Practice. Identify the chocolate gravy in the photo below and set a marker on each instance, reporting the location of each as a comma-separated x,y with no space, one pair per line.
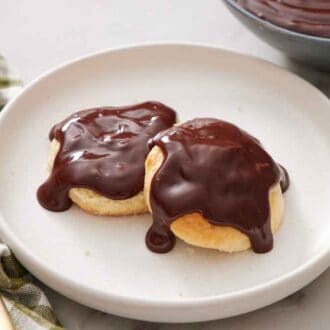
218,170
306,16
104,150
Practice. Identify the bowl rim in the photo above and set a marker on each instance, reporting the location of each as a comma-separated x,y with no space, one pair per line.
273,26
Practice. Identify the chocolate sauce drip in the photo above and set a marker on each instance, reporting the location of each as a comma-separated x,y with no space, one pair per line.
216,169
104,150
306,16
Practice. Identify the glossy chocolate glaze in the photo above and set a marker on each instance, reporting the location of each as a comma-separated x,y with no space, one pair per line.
216,169
104,150
306,16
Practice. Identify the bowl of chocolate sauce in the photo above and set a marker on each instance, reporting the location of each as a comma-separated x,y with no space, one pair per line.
298,28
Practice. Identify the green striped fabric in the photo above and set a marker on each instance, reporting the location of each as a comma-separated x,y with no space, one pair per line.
27,305
9,83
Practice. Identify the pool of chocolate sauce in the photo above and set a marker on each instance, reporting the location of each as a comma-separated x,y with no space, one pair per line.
305,16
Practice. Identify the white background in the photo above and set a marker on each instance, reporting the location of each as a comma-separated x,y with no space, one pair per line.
36,35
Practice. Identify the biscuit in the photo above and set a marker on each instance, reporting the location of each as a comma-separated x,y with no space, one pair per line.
97,204
196,230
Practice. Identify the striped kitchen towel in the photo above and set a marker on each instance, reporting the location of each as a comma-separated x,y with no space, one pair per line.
24,302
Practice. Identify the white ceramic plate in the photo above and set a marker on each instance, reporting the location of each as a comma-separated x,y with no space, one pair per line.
103,262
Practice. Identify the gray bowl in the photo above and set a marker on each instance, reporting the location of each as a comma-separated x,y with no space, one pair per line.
312,50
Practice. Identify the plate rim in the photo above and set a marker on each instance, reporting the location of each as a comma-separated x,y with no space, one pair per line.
320,262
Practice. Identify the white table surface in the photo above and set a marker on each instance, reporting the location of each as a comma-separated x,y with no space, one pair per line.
36,35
